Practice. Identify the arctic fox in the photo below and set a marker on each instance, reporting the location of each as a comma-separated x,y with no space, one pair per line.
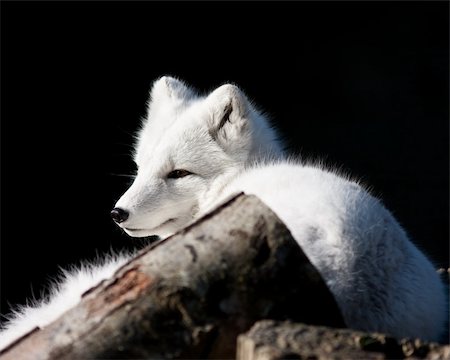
194,151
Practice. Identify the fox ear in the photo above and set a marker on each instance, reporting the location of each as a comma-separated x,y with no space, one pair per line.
229,113
169,88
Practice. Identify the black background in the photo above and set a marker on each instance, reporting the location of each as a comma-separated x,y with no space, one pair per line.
362,85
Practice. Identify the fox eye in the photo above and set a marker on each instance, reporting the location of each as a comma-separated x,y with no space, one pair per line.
176,174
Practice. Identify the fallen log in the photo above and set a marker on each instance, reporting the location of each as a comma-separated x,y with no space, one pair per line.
272,340
191,295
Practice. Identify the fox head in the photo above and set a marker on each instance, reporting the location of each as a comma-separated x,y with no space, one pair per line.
188,148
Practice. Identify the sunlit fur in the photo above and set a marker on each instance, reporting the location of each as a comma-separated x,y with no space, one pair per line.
380,280
64,293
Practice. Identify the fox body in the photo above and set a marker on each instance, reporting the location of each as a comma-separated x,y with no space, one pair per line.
194,151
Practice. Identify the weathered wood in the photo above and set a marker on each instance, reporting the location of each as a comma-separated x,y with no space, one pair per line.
272,340
190,295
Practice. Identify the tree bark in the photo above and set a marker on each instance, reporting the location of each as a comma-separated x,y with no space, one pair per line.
272,340
191,295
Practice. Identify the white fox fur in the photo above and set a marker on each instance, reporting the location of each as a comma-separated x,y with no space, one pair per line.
64,294
224,145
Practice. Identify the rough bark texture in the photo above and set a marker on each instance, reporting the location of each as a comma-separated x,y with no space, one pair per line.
192,294
272,340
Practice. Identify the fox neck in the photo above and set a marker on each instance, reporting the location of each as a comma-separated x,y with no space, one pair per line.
261,153
214,194
265,145
217,191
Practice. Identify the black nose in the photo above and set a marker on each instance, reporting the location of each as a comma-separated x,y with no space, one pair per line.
119,215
